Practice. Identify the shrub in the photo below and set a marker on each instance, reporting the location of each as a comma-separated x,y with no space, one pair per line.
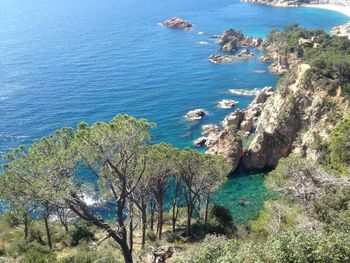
151,236
339,146
10,220
81,231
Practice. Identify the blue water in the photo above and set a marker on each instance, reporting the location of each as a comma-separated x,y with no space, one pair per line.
65,61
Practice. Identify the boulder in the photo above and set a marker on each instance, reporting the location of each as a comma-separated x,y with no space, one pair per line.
206,129
226,143
230,34
227,104
196,114
245,54
230,46
234,119
217,59
177,23
200,141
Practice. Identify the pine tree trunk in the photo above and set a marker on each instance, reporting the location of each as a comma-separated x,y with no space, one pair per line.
48,233
206,209
26,226
160,219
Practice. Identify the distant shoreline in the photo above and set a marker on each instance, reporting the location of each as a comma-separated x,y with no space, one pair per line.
338,8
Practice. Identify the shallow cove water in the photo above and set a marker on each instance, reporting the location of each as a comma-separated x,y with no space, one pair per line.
65,61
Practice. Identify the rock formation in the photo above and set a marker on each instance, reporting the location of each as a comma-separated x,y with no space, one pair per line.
206,129
227,144
294,119
231,39
177,23
227,104
217,59
196,114
236,126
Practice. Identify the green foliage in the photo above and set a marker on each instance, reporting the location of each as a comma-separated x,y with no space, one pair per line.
37,256
289,247
222,215
90,257
334,209
81,231
9,219
151,236
339,146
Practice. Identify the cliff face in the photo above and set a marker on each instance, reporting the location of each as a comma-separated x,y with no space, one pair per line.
298,3
296,118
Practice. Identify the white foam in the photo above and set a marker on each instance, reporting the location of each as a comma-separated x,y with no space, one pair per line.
244,92
200,33
203,42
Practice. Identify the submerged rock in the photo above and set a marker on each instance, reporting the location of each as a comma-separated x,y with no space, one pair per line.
177,23
217,59
264,58
196,114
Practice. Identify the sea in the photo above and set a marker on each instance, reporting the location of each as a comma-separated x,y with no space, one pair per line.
66,61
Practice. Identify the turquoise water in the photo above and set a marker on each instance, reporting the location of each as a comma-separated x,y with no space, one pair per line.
65,61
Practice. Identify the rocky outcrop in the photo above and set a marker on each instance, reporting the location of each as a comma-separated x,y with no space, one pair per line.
243,55
231,39
218,59
227,104
342,30
200,141
227,144
236,126
177,23
208,128
196,114
294,119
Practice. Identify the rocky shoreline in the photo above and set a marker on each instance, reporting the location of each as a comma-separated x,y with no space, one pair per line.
292,119
296,118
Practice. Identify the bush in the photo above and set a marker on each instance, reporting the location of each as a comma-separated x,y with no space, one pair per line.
339,146
38,256
81,231
222,215
89,257
289,247
172,237
10,220
151,236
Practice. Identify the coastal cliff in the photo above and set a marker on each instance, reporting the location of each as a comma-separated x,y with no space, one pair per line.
310,99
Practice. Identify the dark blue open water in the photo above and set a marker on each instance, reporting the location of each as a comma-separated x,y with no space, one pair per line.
64,61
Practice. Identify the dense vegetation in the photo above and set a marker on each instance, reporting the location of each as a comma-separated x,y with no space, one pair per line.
129,181
329,56
114,195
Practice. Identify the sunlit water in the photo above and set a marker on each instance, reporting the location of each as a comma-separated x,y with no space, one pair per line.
65,61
